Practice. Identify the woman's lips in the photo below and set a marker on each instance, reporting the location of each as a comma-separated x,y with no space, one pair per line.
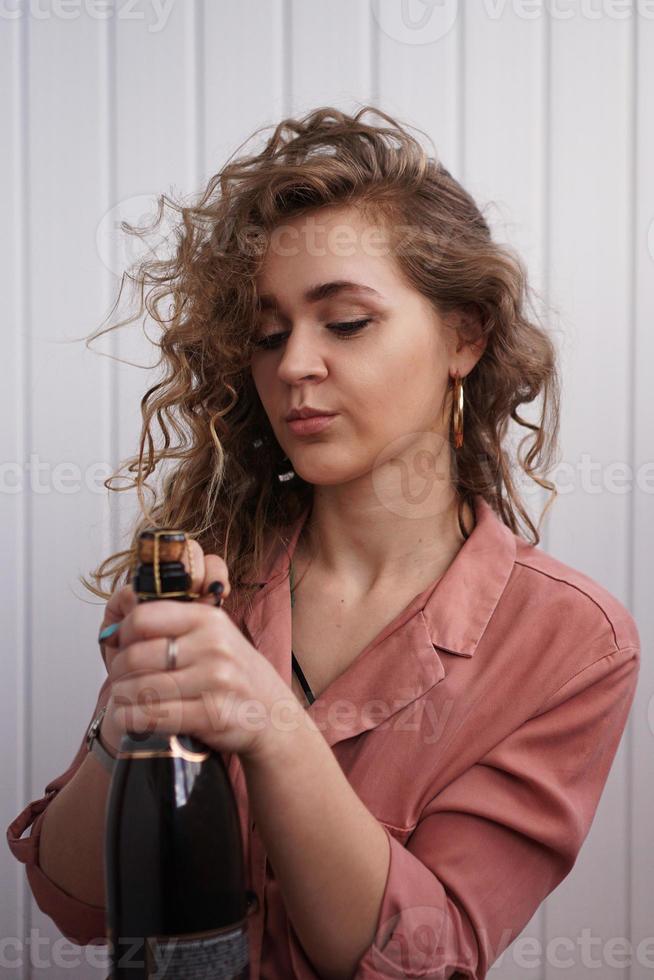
305,427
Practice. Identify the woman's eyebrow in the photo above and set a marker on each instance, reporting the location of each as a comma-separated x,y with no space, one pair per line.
323,290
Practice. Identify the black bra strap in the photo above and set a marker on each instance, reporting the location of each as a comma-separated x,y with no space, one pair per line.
302,679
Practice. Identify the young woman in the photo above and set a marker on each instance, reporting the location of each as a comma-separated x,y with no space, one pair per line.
439,701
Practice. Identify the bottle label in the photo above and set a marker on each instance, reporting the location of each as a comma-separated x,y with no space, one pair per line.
220,954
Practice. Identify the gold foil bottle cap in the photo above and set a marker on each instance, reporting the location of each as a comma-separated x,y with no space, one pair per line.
158,571
167,545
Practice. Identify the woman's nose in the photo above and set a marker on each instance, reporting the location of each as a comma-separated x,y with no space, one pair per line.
301,358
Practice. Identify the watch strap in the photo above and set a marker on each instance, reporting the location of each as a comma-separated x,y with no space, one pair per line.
94,744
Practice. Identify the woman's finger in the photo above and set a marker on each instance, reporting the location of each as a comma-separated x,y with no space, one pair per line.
205,570
167,618
123,600
215,570
150,657
197,680
194,562
120,603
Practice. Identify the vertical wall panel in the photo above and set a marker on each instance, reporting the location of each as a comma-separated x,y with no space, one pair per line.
67,398
591,166
155,154
419,64
503,167
14,899
330,55
591,252
640,790
244,50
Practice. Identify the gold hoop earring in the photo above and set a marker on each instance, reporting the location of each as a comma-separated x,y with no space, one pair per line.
457,412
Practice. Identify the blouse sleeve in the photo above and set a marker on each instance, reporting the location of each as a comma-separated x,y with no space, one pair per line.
492,845
80,923
497,840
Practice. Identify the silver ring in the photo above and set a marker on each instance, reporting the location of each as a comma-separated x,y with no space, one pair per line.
171,653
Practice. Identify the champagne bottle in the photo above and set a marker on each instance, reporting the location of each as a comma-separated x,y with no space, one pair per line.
175,882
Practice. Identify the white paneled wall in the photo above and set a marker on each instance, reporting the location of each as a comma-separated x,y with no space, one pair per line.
543,111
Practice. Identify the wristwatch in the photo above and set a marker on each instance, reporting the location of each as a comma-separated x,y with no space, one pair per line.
94,744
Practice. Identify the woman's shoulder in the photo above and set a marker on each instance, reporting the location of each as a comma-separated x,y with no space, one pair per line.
572,598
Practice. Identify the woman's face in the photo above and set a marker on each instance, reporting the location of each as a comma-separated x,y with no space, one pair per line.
384,373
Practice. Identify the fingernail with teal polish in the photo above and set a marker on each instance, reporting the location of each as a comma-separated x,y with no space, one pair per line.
107,632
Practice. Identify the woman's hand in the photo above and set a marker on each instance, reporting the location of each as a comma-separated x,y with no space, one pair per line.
223,690
206,570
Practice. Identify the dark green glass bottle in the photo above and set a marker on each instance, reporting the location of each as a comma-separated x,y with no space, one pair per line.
175,883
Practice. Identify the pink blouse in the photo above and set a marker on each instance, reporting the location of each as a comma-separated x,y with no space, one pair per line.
478,727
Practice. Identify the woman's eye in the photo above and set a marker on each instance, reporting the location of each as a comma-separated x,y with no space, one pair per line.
344,329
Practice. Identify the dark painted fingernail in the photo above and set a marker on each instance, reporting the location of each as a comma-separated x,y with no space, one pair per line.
217,588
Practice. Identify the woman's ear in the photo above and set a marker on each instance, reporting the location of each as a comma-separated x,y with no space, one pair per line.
469,326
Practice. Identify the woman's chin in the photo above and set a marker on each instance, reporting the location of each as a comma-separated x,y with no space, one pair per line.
327,475
321,477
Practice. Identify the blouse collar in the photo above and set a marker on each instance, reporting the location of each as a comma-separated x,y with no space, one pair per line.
451,615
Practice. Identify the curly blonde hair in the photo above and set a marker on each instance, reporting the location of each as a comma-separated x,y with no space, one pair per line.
222,489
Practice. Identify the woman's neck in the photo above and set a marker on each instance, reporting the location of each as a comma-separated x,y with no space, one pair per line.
366,557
